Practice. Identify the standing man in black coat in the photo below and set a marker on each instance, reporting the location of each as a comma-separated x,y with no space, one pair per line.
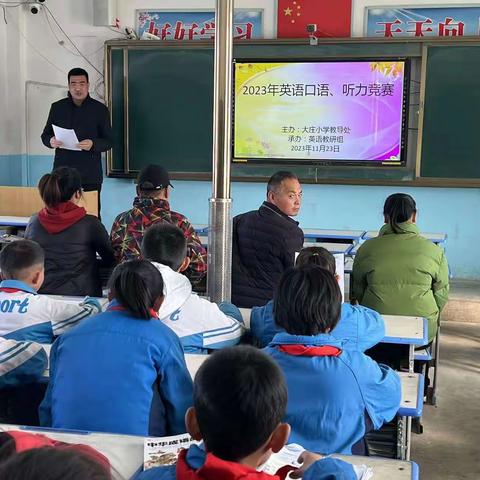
265,242
90,120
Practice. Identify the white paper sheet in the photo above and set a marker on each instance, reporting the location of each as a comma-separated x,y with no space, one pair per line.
289,454
67,136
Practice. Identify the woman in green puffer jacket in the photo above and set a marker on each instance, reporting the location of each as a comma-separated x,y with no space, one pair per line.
400,272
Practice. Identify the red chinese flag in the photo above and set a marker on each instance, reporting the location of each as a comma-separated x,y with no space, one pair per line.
333,18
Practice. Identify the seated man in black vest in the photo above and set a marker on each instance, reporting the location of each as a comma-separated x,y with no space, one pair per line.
265,242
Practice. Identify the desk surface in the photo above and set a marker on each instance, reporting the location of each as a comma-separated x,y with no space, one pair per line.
402,329
333,234
332,247
125,453
434,237
411,404
194,361
201,228
398,328
11,221
385,468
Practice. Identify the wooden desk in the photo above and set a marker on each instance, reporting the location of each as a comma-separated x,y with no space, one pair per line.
125,453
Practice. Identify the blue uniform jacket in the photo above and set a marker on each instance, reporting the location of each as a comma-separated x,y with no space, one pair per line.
120,374
21,362
359,327
328,396
325,469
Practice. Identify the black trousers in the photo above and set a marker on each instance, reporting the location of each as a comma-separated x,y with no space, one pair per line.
19,405
94,187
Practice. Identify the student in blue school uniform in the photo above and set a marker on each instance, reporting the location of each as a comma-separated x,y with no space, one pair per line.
239,402
360,328
200,324
26,321
333,393
25,315
122,371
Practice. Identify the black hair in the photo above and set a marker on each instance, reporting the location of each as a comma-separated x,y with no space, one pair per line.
398,208
307,301
136,285
59,186
316,256
48,463
19,256
164,243
77,72
240,397
277,178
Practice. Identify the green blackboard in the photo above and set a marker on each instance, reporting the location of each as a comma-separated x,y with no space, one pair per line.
160,97
451,139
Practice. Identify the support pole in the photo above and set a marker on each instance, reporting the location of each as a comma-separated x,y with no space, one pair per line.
220,221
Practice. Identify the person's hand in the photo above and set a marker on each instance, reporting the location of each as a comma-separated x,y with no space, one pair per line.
86,144
93,303
306,459
54,143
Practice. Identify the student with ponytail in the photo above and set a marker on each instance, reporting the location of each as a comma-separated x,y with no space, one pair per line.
122,371
70,237
400,272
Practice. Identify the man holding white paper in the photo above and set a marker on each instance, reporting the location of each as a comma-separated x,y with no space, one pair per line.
78,128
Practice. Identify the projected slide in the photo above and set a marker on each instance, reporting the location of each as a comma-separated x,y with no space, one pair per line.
336,111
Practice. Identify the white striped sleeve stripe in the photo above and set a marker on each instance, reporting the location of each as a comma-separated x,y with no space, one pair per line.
221,338
12,358
69,322
222,331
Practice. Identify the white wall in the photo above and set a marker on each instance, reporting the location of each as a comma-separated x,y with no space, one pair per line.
11,83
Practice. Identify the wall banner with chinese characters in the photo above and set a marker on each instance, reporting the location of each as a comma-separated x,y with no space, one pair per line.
422,22
342,111
197,25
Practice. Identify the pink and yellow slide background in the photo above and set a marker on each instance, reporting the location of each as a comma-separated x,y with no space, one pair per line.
265,123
